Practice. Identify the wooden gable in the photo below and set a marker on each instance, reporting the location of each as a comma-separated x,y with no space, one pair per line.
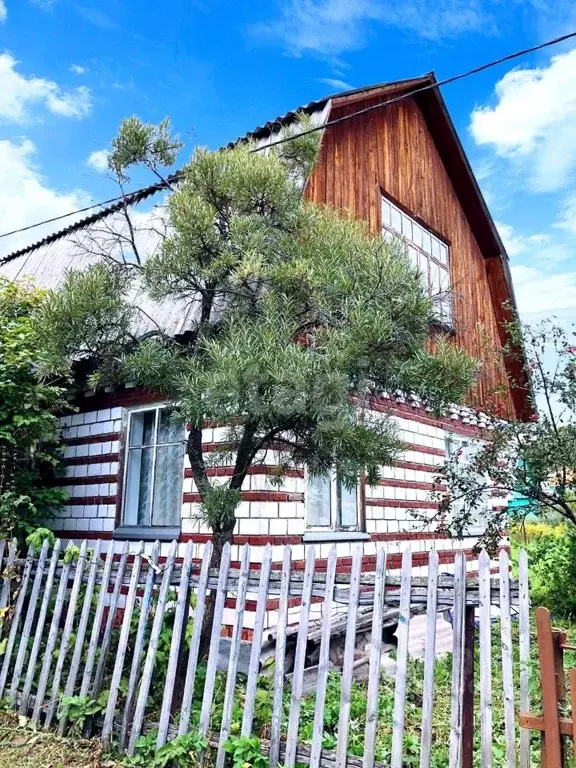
409,151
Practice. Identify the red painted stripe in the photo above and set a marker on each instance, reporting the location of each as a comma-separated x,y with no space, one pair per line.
104,458
124,397
256,469
88,439
254,496
400,503
416,466
424,449
91,535
86,480
390,483
408,536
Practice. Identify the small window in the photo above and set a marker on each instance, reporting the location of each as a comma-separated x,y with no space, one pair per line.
154,469
462,451
330,505
426,251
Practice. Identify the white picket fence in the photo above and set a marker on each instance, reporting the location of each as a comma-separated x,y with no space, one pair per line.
70,626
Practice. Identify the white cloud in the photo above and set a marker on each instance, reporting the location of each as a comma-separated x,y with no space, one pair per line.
567,218
98,159
3,11
77,69
331,27
337,85
517,243
20,94
539,291
533,121
25,198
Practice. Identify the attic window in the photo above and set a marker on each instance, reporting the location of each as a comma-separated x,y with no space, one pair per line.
428,254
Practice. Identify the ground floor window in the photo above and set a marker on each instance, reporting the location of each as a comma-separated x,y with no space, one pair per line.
330,505
461,451
154,469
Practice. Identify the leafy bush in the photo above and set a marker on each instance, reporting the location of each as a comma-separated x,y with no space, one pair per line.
552,562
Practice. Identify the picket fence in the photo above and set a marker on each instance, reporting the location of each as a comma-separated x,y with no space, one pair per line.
72,622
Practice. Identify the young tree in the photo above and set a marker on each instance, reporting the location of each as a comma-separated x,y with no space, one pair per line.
29,451
535,460
293,317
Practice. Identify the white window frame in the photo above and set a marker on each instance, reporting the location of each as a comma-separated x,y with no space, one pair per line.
334,525
129,413
426,251
455,442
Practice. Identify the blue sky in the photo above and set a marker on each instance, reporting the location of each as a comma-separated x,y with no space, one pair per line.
70,70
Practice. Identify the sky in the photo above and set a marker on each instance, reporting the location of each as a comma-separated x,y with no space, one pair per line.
70,70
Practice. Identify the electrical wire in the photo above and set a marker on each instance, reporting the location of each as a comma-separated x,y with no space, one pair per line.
430,86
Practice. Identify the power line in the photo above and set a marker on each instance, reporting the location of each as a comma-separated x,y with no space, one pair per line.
139,194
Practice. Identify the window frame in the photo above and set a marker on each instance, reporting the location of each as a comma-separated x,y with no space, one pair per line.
446,305
454,438
148,532
334,529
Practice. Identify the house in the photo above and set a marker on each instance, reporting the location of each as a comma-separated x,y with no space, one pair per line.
402,168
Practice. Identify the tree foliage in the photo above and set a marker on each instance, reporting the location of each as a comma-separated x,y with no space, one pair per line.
533,461
293,317
29,451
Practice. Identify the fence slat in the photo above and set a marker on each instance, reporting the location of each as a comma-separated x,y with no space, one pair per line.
375,662
192,664
107,636
507,674
323,661
348,663
26,629
429,661
66,633
15,619
234,654
254,666
211,665
52,637
38,634
108,725
139,644
401,662
457,660
279,659
7,580
299,661
180,617
81,632
95,633
524,627
148,670
485,659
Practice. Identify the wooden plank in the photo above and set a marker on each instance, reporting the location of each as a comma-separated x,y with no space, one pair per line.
107,636
457,660
96,625
234,654
485,619
348,662
139,644
279,659
7,580
51,639
429,662
39,630
537,723
401,663
106,735
254,667
195,640
28,620
524,629
81,632
572,708
323,661
375,662
148,670
15,619
66,633
182,608
507,662
206,709
548,688
467,758
299,662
